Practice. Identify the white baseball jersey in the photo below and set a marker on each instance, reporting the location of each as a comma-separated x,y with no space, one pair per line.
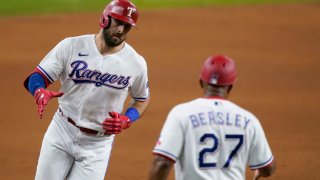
212,138
93,84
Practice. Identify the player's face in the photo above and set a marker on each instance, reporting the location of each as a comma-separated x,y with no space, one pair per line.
116,33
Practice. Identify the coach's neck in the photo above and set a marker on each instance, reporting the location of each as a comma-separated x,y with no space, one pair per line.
215,91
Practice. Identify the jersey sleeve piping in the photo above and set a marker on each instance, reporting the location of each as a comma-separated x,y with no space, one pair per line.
166,157
141,99
45,78
165,154
46,75
262,164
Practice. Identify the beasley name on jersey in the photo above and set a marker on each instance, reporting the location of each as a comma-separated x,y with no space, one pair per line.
212,117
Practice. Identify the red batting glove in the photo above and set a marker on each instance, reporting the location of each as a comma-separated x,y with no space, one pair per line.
43,96
116,123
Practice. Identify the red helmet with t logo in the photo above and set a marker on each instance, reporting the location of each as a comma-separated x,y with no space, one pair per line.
122,10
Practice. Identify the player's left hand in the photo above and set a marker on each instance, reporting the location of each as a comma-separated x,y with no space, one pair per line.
43,96
116,123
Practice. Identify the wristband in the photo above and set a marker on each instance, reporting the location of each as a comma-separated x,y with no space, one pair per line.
36,81
132,113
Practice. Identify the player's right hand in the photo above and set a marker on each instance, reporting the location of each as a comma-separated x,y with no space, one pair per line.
42,97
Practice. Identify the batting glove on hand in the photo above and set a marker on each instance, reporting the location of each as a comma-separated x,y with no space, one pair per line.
116,123
42,97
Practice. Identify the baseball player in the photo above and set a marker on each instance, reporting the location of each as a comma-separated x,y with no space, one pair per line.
97,72
211,137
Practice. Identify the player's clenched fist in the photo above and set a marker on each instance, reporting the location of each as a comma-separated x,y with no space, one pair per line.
116,123
43,96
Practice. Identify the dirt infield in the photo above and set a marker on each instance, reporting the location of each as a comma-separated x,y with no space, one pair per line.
276,48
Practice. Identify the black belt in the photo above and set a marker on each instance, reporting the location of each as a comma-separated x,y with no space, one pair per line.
86,130
83,129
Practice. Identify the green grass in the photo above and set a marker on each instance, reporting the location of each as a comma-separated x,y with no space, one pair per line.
187,3
22,7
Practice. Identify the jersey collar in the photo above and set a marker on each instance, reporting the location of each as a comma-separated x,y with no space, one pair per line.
214,97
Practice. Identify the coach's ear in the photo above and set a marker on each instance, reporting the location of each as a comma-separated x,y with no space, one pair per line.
230,88
201,83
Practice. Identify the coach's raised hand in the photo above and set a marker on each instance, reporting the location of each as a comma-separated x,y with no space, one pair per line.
43,96
116,123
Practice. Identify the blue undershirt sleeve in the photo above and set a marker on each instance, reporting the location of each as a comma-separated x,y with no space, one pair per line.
35,81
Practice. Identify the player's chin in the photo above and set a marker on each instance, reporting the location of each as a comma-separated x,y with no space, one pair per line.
114,42
117,40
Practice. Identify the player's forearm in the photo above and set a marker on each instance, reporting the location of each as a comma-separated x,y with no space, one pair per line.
160,169
141,106
136,109
156,174
265,171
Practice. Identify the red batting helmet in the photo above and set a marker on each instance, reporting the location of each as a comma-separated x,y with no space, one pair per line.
122,10
219,70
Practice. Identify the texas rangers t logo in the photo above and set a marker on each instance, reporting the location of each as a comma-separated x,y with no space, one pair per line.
130,11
